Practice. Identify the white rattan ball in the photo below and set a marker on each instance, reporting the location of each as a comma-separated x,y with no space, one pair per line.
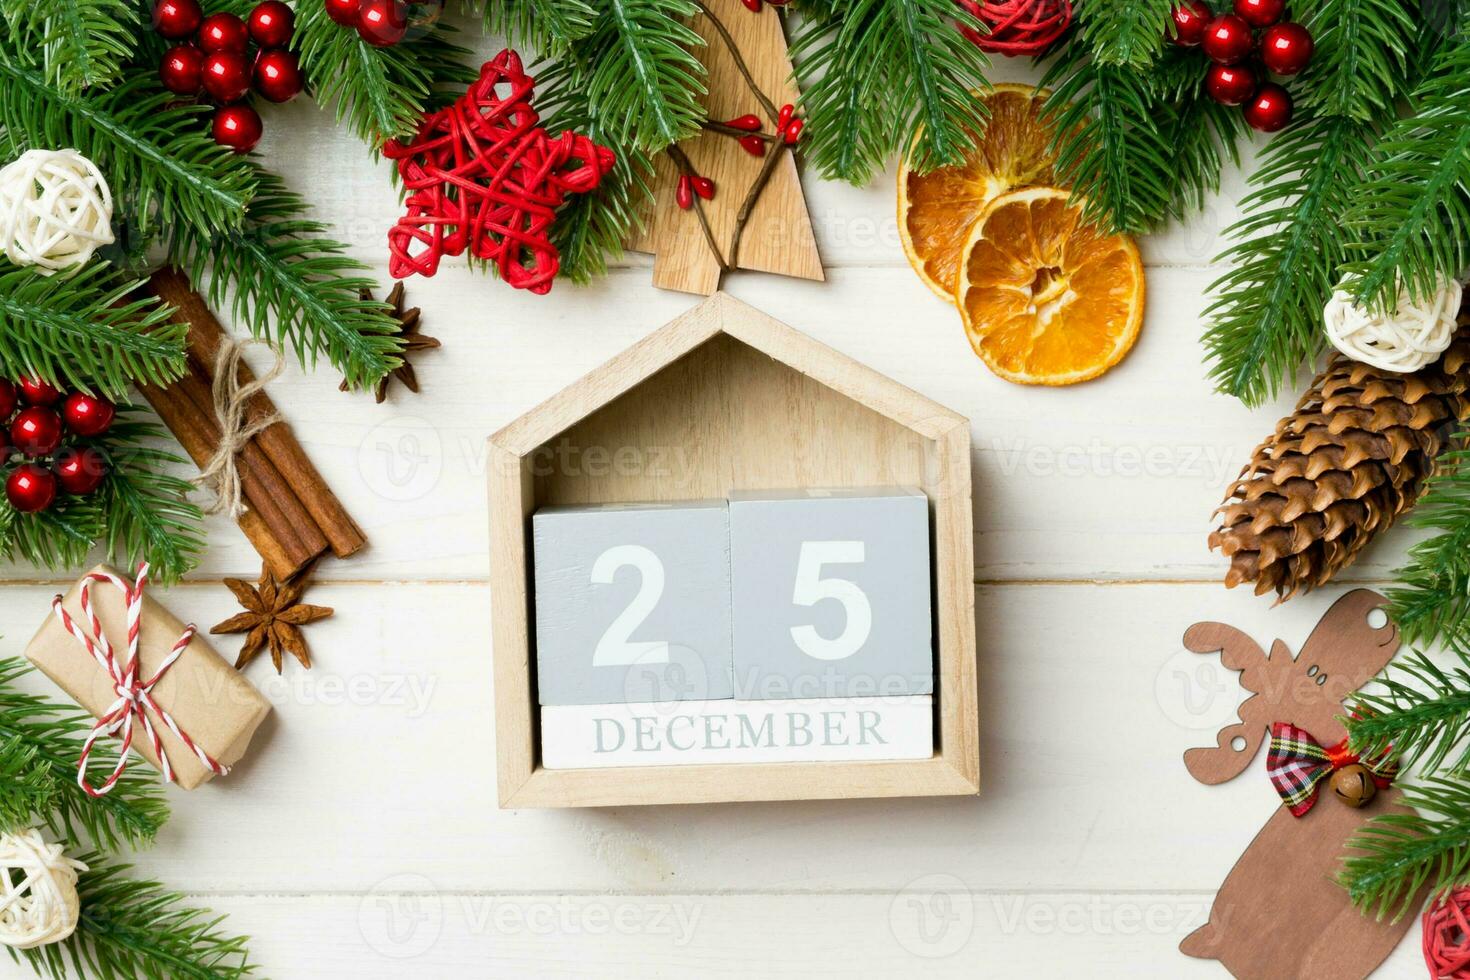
1412,336
55,210
38,891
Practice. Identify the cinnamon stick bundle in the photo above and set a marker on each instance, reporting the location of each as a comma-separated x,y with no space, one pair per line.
292,516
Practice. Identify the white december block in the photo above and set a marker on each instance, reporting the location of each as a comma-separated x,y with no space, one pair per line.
831,593
632,602
598,736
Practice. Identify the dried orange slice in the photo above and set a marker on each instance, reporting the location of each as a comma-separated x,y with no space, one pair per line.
1046,297
936,210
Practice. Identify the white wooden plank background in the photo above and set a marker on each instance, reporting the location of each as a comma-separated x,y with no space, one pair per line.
362,839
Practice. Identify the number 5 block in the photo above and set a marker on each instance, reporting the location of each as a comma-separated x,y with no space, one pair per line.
831,593
632,603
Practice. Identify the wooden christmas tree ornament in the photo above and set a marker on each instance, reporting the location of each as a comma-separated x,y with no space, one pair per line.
1280,913
730,197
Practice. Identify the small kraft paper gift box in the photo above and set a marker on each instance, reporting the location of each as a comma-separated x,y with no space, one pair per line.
212,707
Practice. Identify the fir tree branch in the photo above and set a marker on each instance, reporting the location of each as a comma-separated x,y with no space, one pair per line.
282,279
381,92
85,331
132,929
1358,68
591,228
1431,603
551,26
146,511
642,78
881,77
141,138
81,43
1400,854
1110,146
1266,318
1124,32
1417,711
1411,215
130,815
1202,132
27,790
59,537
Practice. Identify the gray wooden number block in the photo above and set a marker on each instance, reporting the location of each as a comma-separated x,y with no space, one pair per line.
831,593
632,603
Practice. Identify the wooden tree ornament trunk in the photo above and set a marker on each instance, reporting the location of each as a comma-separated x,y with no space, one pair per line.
777,234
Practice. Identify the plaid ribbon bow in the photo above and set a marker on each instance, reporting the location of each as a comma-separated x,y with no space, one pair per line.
1297,765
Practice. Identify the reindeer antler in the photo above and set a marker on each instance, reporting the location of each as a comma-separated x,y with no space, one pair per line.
1260,675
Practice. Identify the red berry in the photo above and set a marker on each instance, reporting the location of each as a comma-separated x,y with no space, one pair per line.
238,127
1260,13
1228,39
38,392
1190,20
784,116
749,122
343,12
182,70
792,133
753,145
684,193
271,24
36,431
30,488
88,415
382,23
226,76
177,19
1230,84
754,6
1269,109
1286,48
80,470
9,399
704,187
223,32
278,75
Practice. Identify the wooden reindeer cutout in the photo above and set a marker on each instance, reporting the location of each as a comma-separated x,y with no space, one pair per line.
1279,913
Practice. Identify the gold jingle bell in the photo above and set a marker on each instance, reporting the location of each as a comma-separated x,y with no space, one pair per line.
1354,785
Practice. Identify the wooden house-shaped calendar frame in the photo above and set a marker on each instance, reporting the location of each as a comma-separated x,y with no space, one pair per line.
725,398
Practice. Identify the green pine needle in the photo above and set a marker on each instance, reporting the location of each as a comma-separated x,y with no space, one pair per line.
1411,216
85,331
1431,602
886,77
81,43
1398,855
1417,711
550,26
1125,32
381,92
1266,320
130,815
27,788
643,80
146,511
141,138
132,929
280,278
1358,67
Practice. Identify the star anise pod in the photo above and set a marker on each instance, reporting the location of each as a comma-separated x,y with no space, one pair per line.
273,617
412,342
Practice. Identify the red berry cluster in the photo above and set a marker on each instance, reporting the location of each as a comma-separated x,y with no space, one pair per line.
213,56
36,418
383,23
1230,41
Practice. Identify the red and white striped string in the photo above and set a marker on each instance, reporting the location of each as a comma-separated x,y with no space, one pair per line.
134,695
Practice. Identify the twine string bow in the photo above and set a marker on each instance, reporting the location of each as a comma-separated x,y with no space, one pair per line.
1297,765
231,400
135,703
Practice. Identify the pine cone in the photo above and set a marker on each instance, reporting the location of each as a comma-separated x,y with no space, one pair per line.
1355,454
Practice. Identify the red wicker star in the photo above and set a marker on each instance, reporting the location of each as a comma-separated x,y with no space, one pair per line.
481,175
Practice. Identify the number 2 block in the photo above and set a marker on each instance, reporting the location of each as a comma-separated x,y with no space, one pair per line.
831,593
632,603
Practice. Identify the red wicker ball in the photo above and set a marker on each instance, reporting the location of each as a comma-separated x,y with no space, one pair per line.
1447,937
1018,27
